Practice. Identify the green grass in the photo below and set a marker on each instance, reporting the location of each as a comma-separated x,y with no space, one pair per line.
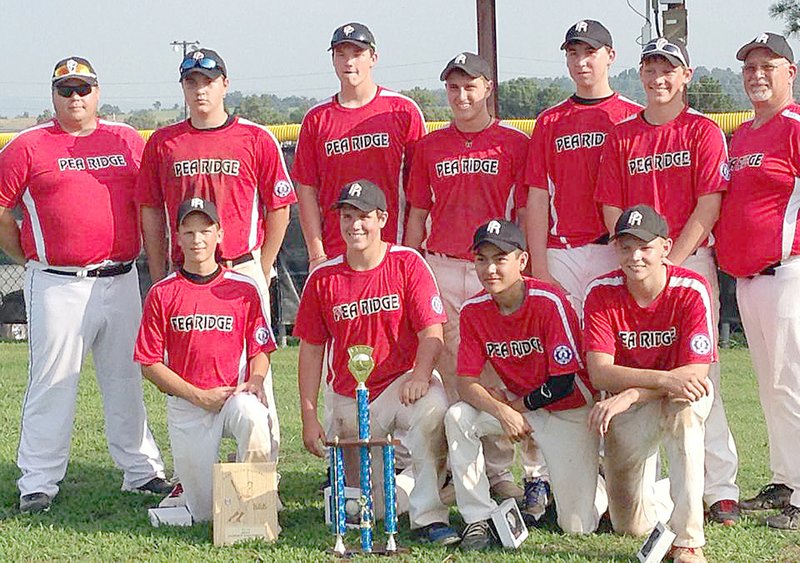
92,519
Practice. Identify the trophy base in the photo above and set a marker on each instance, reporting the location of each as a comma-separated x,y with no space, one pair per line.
377,549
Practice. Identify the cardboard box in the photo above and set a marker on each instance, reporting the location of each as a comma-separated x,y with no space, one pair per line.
245,502
352,496
170,516
508,522
657,544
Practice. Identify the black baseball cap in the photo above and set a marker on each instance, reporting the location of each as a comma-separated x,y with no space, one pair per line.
353,32
204,61
641,221
474,65
363,195
198,205
590,32
772,41
675,53
74,67
505,235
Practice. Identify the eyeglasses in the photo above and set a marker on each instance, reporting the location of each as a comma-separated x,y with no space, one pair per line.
80,68
664,47
80,89
766,69
205,63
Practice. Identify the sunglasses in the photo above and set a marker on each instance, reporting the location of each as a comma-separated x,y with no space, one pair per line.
205,63
667,48
80,89
80,68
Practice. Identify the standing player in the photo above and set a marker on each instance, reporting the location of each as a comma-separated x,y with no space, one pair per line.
384,296
228,160
528,331
205,340
462,176
567,240
674,158
74,177
363,131
650,340
759,244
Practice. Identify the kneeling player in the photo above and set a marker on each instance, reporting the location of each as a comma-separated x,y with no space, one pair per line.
383,296
205,340
530,334
650,341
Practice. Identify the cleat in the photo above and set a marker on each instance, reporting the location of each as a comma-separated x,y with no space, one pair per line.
174,498
503,490
438,533
477,536
772,496
687,555
725,512
34,503
155,486
787,519
537,497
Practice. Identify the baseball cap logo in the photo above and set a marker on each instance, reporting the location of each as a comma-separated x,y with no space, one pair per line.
493,228
661,42
197,55
763,38
197,203
582,27
72,65
348,29
461,59
635,219
355,190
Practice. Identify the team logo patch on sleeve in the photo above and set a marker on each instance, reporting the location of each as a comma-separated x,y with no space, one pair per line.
436,304
701,344
725,170
563,354
262,335
283,188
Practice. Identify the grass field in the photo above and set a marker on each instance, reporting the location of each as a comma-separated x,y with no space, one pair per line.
92,519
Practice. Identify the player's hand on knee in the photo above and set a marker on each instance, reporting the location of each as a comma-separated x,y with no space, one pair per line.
413,389
603,411
314,437
514,424
254,388
213,399
690,387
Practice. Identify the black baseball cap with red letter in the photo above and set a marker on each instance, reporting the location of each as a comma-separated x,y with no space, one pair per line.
355,33
205,61
642,222
197,205
472,64
772,41
505,235
362,194
591,32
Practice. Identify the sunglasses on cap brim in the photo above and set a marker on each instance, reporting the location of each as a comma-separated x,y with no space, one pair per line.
665,49
80,69
204,63
82,90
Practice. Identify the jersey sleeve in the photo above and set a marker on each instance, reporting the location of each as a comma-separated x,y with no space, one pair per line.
15,166
598,328
697,339
258,334
711,171
275,188
420,194
561,332
136,144
148,183
150,342
520,157
423,302
471,351
310,322
536,161
305,169
416,130
610,188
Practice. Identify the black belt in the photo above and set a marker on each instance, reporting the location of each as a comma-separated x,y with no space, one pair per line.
768,271
240,260
106,272
601,240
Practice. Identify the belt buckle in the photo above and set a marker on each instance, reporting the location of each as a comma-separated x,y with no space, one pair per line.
82,273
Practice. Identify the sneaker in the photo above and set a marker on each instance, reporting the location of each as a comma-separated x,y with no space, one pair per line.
34,502
477,536
772,496
174,498
155,486
537,497
687,555
725,512
787,519
438,533
503,490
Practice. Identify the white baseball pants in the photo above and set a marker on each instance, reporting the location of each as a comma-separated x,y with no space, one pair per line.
770,310
67,318
570,451
575,268
195,435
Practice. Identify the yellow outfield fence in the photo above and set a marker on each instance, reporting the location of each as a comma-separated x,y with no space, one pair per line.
288,133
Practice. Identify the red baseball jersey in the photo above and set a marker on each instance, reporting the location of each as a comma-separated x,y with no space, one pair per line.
758,221
338,145
540,339
666,166
238,166
675,330
564,158
464,180
384,308
204,332
77,193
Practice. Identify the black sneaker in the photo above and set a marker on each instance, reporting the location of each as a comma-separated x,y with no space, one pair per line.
772,496
477,536
155,486
725,512
787,519
34,502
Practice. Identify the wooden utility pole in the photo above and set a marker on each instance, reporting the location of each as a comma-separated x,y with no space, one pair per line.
487,43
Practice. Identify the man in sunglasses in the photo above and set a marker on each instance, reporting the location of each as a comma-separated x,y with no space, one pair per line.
674,159
230,161
74,178
759,244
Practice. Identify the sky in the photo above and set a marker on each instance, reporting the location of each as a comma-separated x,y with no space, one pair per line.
280,47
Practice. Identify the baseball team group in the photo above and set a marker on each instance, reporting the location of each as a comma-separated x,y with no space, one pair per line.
552,297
